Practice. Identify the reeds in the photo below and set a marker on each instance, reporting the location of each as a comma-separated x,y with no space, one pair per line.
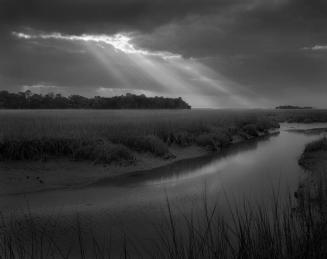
115,136
249,230
98,151
318,145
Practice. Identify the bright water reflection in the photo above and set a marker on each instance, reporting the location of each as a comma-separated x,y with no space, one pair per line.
249,171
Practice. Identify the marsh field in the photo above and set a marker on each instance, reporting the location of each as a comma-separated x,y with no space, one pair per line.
113,136
161,184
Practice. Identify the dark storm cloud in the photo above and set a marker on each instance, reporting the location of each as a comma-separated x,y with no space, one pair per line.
30,61
78,16
256,27
25,61
271,47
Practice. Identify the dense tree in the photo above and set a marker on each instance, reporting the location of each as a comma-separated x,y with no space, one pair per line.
290,107
28,100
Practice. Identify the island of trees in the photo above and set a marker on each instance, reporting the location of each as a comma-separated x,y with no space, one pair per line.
29,100
291,107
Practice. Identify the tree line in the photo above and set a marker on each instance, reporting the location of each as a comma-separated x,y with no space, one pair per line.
291,107
29,100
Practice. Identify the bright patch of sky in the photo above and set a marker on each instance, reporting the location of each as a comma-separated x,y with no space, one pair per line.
175,75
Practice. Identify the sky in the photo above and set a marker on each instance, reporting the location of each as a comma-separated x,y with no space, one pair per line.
212,53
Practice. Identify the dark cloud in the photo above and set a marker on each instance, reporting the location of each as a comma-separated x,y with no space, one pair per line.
248,29
264,46
268,73
78,16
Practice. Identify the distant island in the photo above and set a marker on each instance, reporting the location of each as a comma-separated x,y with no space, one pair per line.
29,100
292,107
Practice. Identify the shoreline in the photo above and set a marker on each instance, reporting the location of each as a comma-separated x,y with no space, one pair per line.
23,177
313,186
314,131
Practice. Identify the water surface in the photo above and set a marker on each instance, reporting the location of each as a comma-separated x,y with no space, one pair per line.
249,171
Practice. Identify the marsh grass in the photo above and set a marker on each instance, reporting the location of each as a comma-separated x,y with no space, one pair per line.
150,143
115,136
319,145
314,189
299,116
282,229
248,230
99,151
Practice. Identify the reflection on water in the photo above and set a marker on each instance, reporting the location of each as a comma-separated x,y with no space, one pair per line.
198,168
250,171
181,170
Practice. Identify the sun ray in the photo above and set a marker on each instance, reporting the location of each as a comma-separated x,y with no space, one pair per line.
170,73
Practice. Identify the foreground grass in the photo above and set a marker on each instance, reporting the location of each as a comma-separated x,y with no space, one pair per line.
250,231
115,136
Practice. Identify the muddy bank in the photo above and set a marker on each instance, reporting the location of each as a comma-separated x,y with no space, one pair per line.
17,177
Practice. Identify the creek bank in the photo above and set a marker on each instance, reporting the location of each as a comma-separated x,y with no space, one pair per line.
313,188
314,131
18,177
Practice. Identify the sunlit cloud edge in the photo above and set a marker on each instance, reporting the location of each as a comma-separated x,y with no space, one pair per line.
119,41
